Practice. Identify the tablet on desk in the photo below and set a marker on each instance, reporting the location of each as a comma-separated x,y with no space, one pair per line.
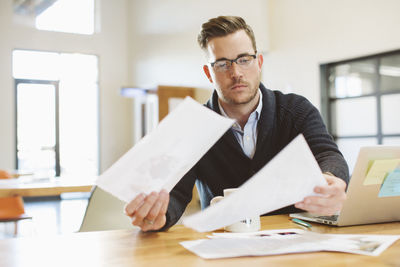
373,194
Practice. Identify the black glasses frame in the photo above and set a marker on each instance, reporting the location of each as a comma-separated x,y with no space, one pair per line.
233,60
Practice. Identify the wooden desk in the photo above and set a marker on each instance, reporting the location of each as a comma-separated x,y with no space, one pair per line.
51,187
135,248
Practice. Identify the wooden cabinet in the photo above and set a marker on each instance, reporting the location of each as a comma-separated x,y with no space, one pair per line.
170,96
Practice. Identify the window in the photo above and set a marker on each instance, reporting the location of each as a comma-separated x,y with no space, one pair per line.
57,113
362,99
73,16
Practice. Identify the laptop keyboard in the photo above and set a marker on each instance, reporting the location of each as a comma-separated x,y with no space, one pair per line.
329,218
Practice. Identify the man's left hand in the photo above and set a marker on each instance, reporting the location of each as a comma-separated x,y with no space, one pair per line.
330,199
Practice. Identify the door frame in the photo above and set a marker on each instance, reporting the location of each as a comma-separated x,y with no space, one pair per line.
57,122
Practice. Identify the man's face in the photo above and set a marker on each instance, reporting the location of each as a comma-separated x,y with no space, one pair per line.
237,85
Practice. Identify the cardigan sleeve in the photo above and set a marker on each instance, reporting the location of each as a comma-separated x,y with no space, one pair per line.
309,122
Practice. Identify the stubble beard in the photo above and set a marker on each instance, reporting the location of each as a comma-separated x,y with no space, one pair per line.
251,93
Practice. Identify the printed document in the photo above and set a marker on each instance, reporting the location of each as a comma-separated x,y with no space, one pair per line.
165,155
285,241
289,177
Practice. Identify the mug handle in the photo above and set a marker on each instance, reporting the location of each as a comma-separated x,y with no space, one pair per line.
216,200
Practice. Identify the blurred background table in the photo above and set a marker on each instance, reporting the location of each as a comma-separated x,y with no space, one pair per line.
33,187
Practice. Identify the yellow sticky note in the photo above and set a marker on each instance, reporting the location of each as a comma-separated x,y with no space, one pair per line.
379,169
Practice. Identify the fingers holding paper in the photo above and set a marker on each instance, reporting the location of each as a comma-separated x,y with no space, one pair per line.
330,199
148,212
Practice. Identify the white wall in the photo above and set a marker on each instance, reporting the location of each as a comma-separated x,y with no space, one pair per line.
164,38
110,45
306,33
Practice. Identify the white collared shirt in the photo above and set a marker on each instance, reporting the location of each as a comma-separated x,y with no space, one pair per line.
247,137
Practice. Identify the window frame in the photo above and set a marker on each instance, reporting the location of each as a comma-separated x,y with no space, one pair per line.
58,96
55,83
327,101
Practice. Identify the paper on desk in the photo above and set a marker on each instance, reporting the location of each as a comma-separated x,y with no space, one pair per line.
163,157
285,241
289,177
262,244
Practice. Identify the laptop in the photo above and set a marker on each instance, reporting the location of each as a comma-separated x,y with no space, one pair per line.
363,206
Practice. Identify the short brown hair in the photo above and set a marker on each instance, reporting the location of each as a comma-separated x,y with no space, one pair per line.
223,26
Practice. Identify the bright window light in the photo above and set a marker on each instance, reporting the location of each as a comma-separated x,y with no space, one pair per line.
77,106
36,65
79,114
73,16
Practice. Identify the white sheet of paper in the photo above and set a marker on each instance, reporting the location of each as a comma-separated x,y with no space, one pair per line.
285,241
289,177
164,156
271,242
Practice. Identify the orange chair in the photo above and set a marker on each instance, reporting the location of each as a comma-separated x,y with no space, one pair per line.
5,175
12,208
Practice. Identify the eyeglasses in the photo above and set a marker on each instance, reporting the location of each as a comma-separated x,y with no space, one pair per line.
223,65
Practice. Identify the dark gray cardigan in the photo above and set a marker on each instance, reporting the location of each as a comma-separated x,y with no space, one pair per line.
225,165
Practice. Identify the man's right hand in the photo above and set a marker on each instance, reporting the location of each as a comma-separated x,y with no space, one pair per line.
148,212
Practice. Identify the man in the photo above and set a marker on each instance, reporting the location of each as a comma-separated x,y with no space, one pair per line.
266,122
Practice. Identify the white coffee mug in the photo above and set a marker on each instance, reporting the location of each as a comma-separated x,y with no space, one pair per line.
246,225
